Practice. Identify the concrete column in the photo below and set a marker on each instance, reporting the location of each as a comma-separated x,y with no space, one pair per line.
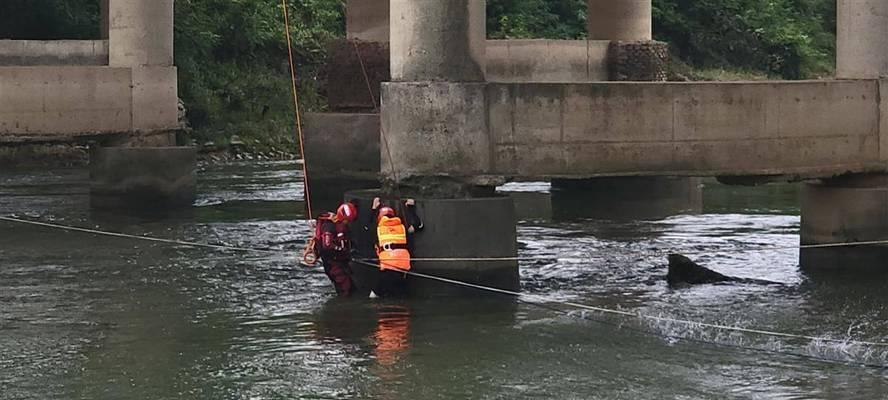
435,128
140,33
844,210
862,39
435,40
626,20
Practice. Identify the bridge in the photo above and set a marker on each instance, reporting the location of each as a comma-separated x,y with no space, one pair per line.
121,87
460,107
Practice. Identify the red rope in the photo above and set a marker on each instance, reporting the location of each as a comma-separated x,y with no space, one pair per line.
298,115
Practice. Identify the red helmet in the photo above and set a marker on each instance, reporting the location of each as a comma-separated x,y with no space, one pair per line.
347,212
385,212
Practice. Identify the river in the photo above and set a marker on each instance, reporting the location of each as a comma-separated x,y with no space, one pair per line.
90,317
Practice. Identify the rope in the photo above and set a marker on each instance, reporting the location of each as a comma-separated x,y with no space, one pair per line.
137,237
535,300
542,300
702,341
698,252
305,184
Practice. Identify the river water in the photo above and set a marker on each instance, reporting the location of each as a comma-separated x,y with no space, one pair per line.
107,318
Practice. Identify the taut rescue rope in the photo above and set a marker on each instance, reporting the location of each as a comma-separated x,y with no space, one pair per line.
533,299
298,115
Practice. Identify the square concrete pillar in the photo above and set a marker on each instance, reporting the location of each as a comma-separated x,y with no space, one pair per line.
140,33
435,128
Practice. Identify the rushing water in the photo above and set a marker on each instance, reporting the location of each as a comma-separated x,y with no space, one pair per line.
96,317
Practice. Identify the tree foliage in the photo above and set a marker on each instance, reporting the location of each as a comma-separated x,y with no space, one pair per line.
50,19
554,19
788,38
232,59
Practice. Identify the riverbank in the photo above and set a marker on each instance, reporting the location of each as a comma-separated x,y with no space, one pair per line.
77,155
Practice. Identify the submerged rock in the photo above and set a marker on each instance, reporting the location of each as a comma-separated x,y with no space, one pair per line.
683,271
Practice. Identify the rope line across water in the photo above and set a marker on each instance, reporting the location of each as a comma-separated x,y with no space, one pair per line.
530,298
542,299
543,303
137,237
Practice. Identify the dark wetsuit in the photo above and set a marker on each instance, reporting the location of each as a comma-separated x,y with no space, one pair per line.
334,247
393,283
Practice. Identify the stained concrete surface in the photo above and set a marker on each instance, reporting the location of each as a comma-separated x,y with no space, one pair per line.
53,52
433,40
454,228
543,60
537,130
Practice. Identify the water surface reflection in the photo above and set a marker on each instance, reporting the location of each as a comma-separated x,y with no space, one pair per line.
96,317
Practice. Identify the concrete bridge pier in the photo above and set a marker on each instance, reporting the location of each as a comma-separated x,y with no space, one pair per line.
434,118
842,210
852,208
434,110
634,56
143,170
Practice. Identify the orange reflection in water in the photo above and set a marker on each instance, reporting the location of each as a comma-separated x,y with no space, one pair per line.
392,334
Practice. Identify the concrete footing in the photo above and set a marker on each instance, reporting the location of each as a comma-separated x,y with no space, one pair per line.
454,228
844,210
142,178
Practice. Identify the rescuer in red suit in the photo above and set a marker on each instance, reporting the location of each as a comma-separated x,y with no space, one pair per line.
332,244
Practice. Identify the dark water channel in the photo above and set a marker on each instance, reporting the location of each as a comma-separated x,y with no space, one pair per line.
105,318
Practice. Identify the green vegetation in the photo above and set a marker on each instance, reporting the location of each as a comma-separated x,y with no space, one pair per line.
234,80
791,39
233,72
50,19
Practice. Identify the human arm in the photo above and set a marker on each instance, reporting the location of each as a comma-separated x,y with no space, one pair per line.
414,223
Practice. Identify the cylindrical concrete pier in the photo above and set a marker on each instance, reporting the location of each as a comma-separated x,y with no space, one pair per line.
140,33
435,40
626,20
845,210
454,228
862,39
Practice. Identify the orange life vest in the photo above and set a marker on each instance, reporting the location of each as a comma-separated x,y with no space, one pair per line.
392,248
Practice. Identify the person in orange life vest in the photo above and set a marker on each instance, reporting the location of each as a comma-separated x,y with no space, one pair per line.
333,245
393,247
